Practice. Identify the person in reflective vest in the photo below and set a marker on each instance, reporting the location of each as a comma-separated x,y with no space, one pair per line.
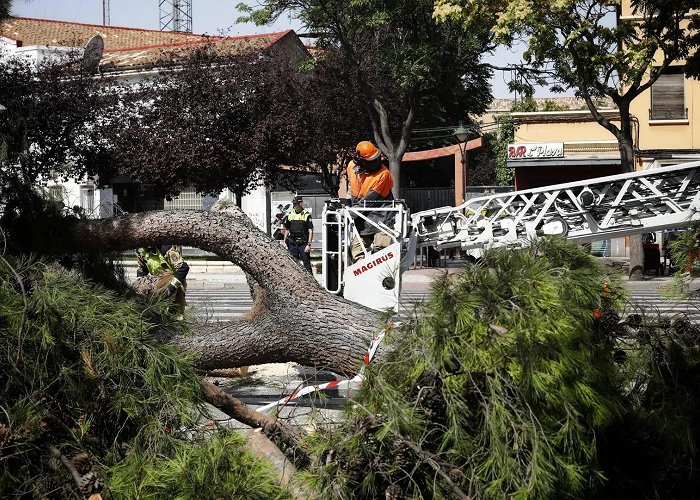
370,181
162,271
299,233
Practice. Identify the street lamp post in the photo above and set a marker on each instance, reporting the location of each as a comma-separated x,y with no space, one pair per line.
461,133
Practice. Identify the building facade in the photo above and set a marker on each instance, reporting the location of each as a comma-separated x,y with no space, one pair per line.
564,146
554,147
131,56
668,114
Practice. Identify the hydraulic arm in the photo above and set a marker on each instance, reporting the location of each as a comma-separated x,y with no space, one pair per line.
588,210
593,209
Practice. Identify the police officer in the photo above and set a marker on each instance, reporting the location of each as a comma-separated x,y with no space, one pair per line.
299,232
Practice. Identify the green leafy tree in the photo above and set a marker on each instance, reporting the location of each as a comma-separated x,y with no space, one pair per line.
405,67
490,162
586,46
503,136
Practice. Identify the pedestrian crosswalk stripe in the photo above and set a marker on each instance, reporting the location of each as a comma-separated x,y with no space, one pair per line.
229,303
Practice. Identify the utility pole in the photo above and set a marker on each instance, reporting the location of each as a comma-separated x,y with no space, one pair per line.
105,13
176,15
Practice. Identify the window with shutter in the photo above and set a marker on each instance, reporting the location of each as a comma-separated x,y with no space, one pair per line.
668,96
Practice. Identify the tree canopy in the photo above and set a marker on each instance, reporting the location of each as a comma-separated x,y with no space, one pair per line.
586,46
406,68
213,123
4,8
209,123
45,130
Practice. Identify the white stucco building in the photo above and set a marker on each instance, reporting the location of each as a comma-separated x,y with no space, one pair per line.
131,55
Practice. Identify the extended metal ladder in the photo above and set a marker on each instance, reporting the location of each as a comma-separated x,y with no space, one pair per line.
589,210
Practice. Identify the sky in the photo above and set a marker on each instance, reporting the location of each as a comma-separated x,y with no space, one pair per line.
212,17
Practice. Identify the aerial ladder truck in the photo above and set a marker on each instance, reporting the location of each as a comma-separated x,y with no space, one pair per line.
584,211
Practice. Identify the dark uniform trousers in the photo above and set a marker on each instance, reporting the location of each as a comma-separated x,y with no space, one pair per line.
299,226
296,248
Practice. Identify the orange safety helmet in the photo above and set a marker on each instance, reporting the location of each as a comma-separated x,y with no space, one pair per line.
367,151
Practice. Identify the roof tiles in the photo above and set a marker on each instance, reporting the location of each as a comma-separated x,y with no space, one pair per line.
63,33
130,47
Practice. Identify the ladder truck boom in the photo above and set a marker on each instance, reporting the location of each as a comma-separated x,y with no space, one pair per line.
583,211
589,210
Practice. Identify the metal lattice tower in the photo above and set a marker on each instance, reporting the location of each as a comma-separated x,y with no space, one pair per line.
176,15
105,13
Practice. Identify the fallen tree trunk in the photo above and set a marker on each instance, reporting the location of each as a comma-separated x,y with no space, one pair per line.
293,317
234,408
260,446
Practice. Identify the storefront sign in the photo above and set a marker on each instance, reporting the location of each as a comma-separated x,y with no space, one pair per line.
536,150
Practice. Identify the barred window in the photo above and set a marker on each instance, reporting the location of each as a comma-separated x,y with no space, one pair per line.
188,199
668,96
55,193
87,198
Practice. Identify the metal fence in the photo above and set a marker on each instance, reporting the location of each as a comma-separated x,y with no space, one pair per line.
419,199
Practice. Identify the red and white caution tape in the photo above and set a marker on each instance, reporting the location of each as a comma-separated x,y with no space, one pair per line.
339,384
357,379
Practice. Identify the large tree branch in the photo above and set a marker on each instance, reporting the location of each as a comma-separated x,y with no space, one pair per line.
293,320
411,104
597,115
270,426
653,77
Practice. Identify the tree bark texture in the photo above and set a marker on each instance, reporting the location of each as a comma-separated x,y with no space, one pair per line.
627,161
243,413
293,318
636,272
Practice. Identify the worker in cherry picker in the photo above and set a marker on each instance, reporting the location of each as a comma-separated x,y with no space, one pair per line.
370,181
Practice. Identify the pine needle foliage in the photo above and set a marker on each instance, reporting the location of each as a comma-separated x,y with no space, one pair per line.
84,371
211,469
497,390
651,450
30,216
